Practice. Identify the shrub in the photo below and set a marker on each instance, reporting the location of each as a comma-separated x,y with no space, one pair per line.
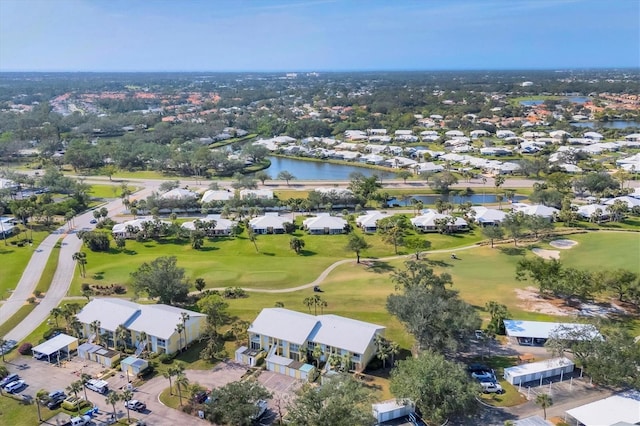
31,299
119,289
86,287
37,293
166,359
25,348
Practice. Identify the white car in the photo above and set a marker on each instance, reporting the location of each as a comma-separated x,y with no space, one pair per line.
488,387
15,386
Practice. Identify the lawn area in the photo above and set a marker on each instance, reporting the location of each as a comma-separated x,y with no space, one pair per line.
109,190
225,262
16,413
14,320
49,269
14,259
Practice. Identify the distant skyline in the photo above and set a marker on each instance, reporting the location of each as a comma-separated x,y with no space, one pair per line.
317,35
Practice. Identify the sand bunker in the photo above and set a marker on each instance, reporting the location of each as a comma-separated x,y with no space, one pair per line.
563,244
546,254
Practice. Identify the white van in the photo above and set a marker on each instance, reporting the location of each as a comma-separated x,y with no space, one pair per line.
100,386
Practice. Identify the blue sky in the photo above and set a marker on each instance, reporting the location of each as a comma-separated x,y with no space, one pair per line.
317,35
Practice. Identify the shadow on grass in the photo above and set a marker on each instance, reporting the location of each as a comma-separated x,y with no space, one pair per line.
98,276
307,253
512,251
380,267
4,251
439,263
205,249
268,254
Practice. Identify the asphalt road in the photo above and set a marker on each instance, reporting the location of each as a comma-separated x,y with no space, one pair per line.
62,278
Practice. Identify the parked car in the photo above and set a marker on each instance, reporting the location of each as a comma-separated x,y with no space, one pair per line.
15,386
262,408
55,402
7,346
489,387
100,386
475,368
10,378
200,397
93,221
135,405
80,421
480,375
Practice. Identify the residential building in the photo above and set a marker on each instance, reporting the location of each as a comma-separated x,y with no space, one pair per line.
270,223
368,221
211,196
158,321
622,409
289,336
488,217
223,226
429,220
129,228
324,223
263,194
536,333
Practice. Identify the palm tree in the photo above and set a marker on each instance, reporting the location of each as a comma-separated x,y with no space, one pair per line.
75,387
41,395
317,354
185,317
81,259
179,329
75,326
2,343
84,378
168,375
308,302
55,313
127,396
121,334
545,401
394,349
182,382
94,327
112,398
143,337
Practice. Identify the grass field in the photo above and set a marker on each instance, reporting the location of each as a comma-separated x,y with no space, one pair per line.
49,269
108,191
234,262
15,319
14,259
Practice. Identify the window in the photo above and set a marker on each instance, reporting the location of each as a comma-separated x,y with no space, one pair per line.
161,342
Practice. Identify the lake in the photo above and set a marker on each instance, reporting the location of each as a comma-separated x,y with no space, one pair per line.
572,99
454,199
613,124
316,170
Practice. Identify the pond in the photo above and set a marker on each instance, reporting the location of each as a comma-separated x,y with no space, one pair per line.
317,170
455,199
613,124
572,99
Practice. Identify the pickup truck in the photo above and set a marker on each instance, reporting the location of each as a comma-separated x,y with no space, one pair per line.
79,421
135,405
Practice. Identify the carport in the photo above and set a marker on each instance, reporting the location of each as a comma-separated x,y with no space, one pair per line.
62,342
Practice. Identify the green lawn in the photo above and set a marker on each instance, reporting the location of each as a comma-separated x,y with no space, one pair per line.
108,191
14,259
49,269
16,413
234,262
16,318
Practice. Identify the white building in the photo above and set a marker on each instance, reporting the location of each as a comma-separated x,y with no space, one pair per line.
617,410
270,223
536,371
324,223
429,219
368,221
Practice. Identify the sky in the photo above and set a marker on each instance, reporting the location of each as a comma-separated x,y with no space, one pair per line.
317,35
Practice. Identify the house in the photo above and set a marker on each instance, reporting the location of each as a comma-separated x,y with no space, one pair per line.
270,223
502,134
429,219
428,167
158,321
289,336
7,226
475,134
454,134
262,194
594,210
325,224
368,221
211,196
593,135
622,409
179,194
223,226
535,210
129,228
488,217
536,333
631,202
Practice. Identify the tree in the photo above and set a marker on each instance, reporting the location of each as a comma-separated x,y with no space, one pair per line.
417,245
443,181
121,242
357,244
262,176
162,279
498,181
538,225
513,223
236,403
286,176
197,239
143,338
167,186
94,327
121,334
364,187
75,387
215,307
493,233
112,399
440,389
498,314
251,234
185,317
296,244
200,284
435,315
127,396
404,175
41,396
393,229
341,400
182,382
317,354
81,260
544,401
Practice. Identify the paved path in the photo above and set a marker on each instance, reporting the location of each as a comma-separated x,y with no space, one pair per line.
63,276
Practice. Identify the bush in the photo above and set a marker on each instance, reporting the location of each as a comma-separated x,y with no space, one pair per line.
25,348
37,293
166,358
86,286
31,300
119,289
